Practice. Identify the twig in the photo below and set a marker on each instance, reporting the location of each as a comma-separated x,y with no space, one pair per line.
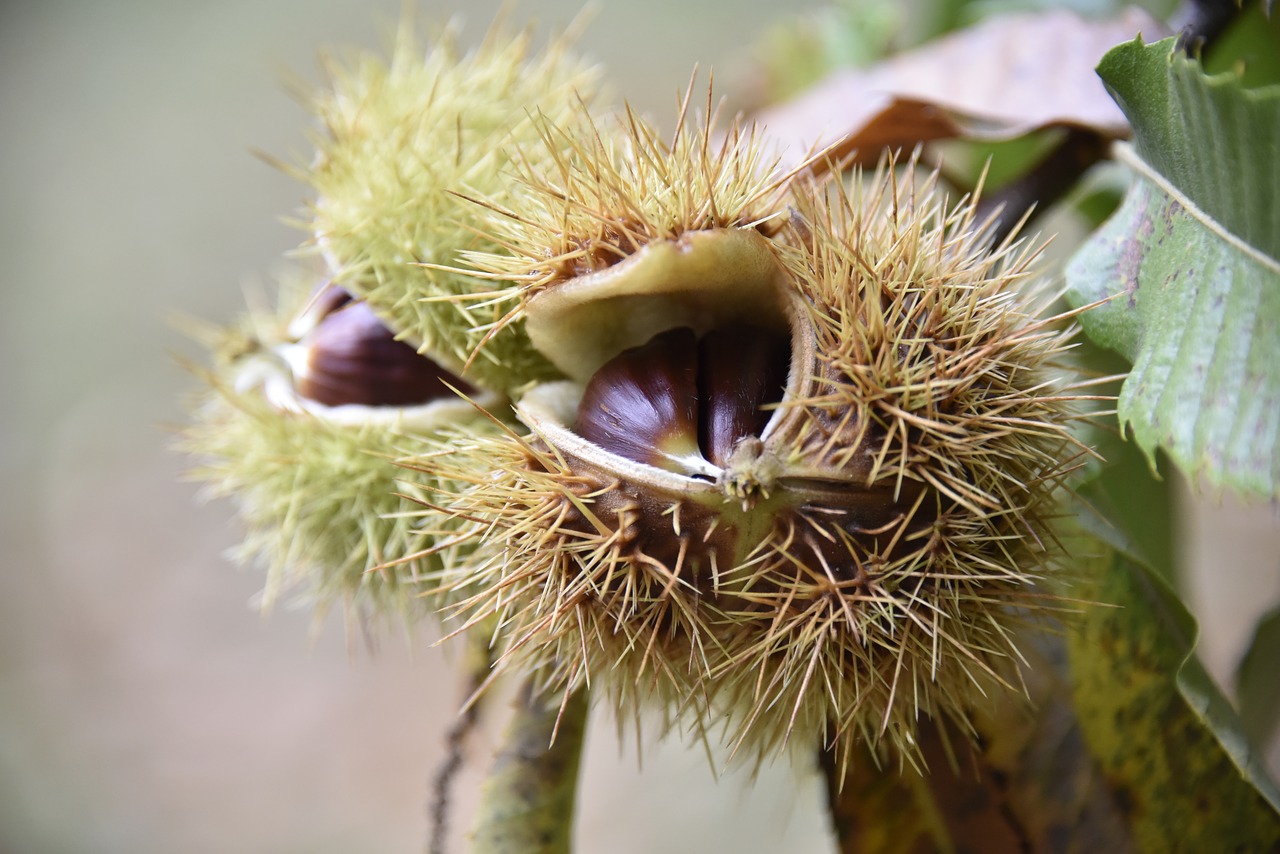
1200,22
527,801
477,667
1047,182
842,816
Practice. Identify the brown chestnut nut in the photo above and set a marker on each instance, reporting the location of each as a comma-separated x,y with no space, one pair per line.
678,402
352,358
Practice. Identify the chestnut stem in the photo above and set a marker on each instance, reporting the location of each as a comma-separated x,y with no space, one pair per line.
478,662
527,801
1200,22
962,806
1047,182
841,816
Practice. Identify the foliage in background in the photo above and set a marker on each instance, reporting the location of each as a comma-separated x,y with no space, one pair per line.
792,56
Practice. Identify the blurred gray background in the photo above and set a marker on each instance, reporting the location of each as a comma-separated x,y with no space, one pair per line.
145,706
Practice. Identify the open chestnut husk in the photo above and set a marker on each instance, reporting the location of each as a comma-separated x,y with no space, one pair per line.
798,483
306,411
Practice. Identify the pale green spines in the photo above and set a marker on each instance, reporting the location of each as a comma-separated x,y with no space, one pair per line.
317,501
317,487
403,142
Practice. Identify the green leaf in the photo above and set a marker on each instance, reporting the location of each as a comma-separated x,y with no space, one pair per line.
1125,487
1156,724
1170,745
1259,689
1028,784
1250,45
1189,262
1131,748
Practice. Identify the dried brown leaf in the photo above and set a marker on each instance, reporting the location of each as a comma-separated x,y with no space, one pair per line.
1000,79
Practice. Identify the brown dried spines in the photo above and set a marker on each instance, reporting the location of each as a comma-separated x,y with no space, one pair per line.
617,194
623,187
936,338
940,385
591,574
865,559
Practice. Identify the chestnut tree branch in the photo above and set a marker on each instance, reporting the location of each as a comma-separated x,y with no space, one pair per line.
527,801
478,661
1047,182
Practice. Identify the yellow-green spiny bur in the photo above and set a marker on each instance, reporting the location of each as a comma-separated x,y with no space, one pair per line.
317,487
406,147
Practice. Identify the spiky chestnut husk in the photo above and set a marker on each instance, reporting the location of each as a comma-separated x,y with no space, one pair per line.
939,381
619,193
864,560
404,143
305,409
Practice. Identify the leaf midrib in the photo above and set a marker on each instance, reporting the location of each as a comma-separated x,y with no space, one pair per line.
1126,154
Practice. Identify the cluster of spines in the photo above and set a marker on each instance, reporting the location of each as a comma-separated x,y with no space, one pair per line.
929,365
864,657
320,499
404,143
776,645
610,192
558,580
399,142
939,337
935,348
951,377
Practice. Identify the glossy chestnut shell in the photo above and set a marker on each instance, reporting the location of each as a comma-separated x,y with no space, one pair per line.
353,358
